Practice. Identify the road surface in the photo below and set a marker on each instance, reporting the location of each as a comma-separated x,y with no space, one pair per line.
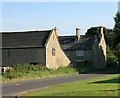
13,89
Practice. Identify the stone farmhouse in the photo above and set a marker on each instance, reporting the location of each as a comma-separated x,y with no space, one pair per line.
33,47
85,50
46,48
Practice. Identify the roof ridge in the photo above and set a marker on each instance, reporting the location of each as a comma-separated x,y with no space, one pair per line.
24,31
75,35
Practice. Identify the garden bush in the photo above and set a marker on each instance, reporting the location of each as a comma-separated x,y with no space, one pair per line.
111,59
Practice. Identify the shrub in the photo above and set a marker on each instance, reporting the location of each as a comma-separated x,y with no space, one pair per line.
10,75
111,59
24,71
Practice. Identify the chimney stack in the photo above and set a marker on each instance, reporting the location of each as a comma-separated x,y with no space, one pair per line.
100,34
78,34
101,30
56,31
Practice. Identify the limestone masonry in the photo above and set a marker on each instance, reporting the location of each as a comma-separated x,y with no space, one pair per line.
46,48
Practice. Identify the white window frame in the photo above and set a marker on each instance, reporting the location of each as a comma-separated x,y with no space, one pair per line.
80,52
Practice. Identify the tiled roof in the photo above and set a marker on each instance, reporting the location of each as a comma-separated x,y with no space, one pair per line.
70,43
24,39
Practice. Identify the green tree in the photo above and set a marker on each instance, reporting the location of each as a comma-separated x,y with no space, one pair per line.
117,35
109,38
117,29
92,31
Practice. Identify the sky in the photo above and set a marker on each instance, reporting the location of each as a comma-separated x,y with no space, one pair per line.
66,16
119,6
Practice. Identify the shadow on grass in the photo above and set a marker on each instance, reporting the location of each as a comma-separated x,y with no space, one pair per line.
111,90
114,80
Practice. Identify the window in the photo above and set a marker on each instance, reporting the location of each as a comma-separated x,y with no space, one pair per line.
53,51
80,52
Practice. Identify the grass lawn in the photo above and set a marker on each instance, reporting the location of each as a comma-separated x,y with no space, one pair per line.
100,86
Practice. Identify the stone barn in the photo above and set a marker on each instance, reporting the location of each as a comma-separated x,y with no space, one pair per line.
33,47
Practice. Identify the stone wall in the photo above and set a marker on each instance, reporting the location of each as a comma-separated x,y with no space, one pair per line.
102,43
98,56
20,56
87,57
95,57
59,59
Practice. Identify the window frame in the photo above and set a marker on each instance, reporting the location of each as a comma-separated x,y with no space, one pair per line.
53,52
79,52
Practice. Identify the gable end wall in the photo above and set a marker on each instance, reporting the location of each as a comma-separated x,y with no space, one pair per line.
60,59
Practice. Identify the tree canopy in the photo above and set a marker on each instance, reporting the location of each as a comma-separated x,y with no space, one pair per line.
117,35
117,29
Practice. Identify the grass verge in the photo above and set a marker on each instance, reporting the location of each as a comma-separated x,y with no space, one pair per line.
100,86
28,72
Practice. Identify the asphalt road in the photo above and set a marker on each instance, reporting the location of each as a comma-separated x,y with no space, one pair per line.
13,89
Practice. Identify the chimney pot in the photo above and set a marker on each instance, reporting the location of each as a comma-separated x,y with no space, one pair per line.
56,31
78,34
101,30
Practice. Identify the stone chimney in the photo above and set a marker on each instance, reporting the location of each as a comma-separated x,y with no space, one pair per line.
78,34
101,30
56,31
100,34
102,43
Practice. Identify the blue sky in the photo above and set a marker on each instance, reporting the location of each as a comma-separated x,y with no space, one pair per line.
66,16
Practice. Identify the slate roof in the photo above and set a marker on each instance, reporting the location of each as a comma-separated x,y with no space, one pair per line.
69,42
29,39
